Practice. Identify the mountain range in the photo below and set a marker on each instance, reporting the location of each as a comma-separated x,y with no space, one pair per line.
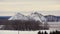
33,16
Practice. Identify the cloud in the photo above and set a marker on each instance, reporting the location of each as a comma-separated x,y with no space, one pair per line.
30,0
12,6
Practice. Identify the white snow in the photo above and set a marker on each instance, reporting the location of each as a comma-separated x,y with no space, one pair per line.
23,32
8,32
18,16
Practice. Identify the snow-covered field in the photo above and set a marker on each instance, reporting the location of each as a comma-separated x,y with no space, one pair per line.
21,32
8,32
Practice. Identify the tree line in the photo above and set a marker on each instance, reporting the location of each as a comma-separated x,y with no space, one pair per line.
22,25
54,32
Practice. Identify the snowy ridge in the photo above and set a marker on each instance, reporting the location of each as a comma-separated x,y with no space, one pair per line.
33,16
18,16
38,17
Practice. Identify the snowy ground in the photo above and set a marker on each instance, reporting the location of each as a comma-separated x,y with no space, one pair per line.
21,32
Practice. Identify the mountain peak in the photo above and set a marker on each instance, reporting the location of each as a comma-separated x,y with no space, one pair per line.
38,17
37,13
18,16
18,13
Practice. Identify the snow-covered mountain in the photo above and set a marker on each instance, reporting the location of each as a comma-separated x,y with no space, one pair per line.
18,16
33,16
37,17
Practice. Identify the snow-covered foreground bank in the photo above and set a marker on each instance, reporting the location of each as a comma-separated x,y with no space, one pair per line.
21,32
8,32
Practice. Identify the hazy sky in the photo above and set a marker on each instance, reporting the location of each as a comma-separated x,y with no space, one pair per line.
8,7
